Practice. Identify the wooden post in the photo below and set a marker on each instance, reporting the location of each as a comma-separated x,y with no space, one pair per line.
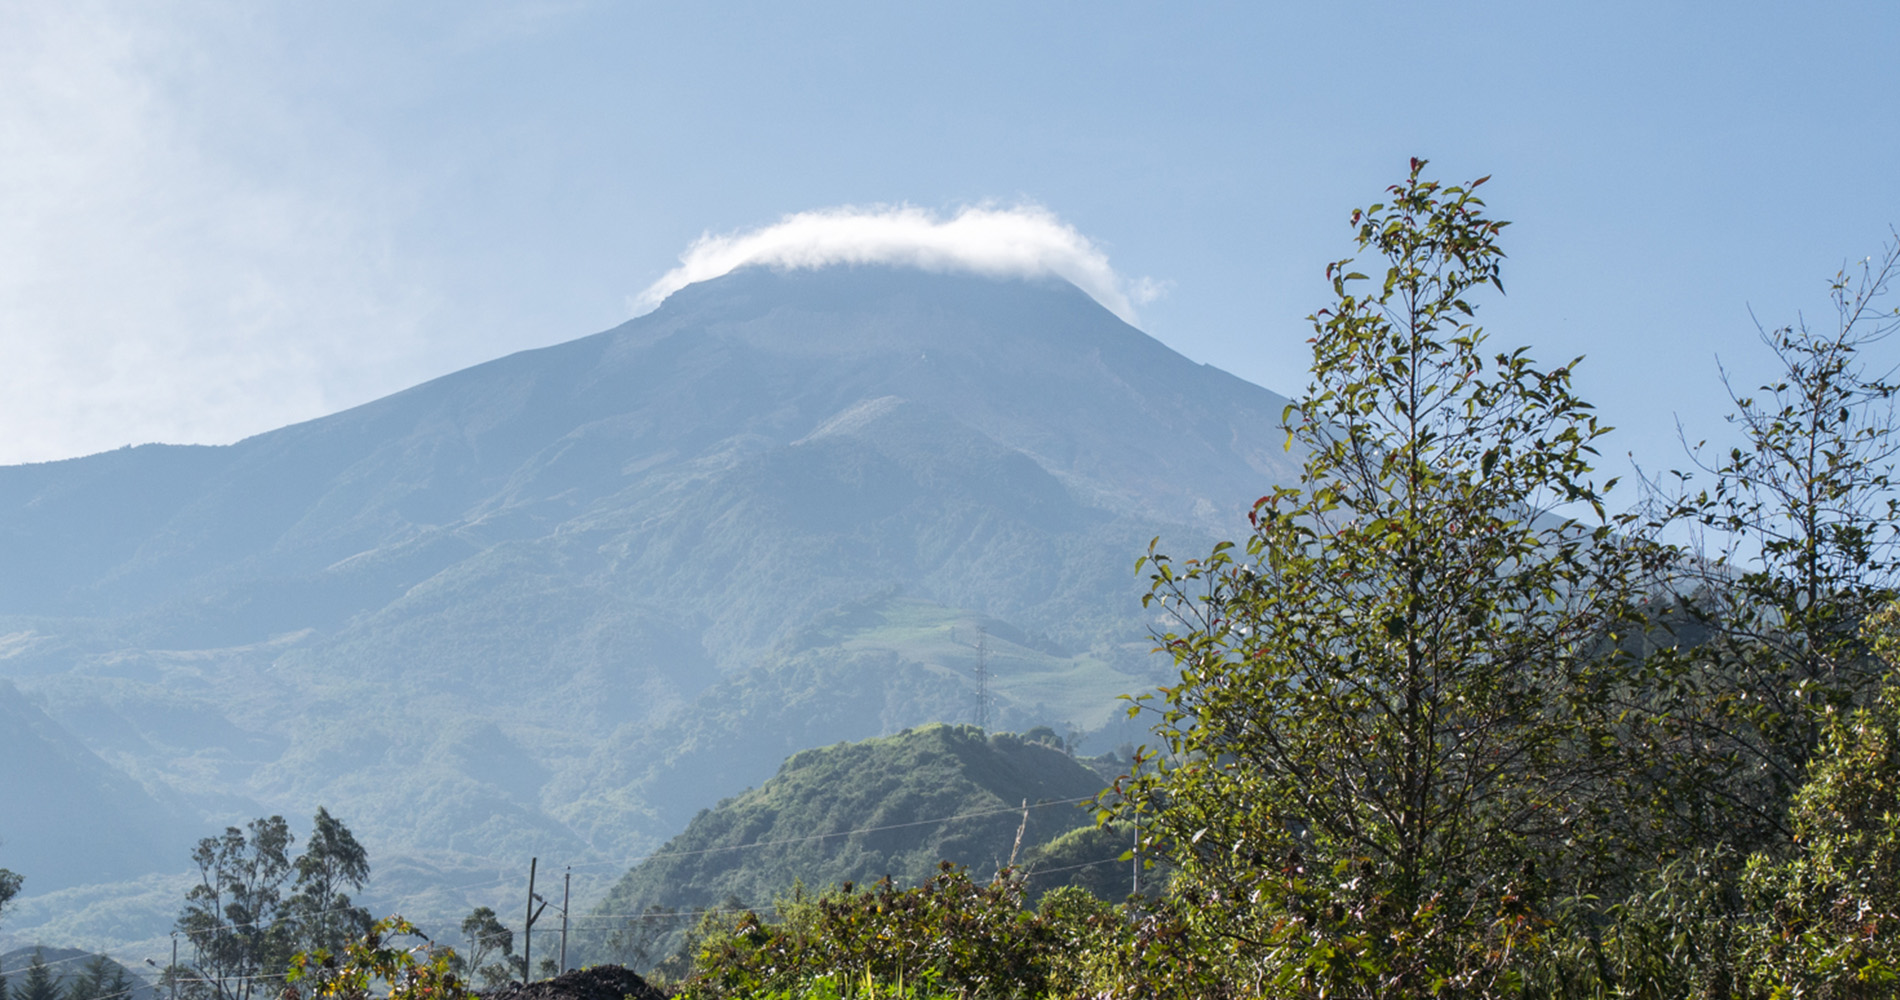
527,929
567,882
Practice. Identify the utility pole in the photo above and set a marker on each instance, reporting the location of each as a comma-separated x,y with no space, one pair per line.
527,931
1134,874
567,882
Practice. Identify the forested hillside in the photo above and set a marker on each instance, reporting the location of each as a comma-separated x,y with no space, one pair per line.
897,806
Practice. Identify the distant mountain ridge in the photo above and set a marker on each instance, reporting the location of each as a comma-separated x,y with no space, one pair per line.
556,603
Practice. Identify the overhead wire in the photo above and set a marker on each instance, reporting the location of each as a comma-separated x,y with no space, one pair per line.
660,855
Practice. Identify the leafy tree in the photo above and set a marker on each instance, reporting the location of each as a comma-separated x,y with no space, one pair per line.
1799,524
9,887
100,979
232,917
1379,768
242,927
322,913
950,935
489,939
38,983
1831,912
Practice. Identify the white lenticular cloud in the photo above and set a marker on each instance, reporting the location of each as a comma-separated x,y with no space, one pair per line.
1025,242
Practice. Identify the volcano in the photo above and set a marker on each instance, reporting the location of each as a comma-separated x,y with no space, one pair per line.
555,604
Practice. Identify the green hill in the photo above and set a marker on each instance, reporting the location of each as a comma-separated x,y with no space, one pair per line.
853,812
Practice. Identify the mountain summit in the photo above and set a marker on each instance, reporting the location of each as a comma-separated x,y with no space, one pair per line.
557,602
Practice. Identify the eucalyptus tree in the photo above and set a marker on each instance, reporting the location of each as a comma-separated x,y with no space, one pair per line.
319,907
242,926
233,916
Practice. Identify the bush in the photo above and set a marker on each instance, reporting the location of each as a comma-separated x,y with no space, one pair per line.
950,936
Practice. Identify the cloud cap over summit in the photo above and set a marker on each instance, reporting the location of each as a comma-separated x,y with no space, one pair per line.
1026,241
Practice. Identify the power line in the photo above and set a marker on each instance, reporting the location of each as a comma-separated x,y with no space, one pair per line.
629,865
982,648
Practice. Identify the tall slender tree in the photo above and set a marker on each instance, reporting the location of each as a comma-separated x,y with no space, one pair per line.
38,983
320,911
99,979
1378,764
491,949
9,888
232,916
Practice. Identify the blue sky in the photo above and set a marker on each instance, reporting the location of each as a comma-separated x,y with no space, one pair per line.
219,217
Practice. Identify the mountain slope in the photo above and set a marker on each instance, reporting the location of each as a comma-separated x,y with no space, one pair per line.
69,818
556,603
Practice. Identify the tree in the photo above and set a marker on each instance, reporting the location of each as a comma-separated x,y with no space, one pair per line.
9,887
232,916
1830,912
99,979
488,939
1799,524
38,983
243,929
1378,768
322,914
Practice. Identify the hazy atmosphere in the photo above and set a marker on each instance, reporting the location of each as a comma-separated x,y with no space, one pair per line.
707,448
224,217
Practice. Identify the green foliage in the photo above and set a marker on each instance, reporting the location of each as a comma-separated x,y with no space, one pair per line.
489,939
1089,857
418,971
1800,522
855,812
242,929
100,979
1379,762
38,983
231,917
1676,936
318,907
832,988
951,935
1830,913
9,887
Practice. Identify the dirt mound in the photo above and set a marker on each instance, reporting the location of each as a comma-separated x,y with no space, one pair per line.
601,982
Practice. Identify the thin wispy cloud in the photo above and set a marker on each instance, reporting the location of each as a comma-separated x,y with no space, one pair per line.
1025,241
154,284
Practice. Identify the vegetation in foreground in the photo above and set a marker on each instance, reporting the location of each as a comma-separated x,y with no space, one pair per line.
1446,724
